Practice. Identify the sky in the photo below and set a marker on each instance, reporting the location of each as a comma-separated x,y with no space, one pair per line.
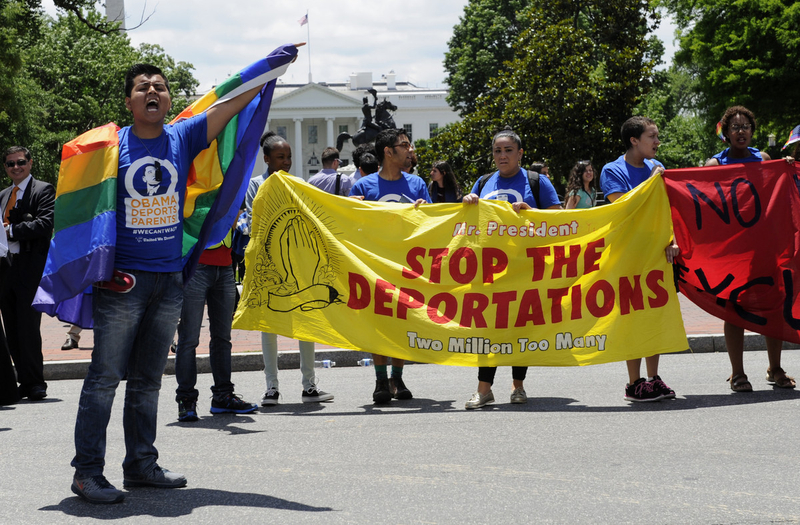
345,36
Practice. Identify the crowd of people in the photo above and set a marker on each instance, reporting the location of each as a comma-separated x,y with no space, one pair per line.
136,314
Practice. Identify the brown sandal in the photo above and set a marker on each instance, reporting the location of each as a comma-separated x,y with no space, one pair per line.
784,382
739,383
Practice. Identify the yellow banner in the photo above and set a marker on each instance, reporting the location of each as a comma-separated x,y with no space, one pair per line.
469,285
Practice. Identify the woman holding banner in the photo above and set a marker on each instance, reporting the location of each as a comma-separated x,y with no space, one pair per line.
278,156
738,125
508,183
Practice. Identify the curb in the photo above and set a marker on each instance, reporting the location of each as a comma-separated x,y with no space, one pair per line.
250,361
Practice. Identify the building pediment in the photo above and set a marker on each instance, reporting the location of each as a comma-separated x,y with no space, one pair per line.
314,96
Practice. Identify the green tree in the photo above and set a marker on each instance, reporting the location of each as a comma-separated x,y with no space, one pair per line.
19,22
685,137
577,73
482,41
72,79
72,82
742,52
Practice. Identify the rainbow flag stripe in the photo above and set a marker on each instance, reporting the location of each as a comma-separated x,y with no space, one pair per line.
719,131
794,136
83,246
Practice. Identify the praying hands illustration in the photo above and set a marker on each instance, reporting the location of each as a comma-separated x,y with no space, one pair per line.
300,256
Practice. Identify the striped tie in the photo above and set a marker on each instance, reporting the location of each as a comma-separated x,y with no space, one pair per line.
11,202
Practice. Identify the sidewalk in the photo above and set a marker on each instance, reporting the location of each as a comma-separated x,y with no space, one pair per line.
703,331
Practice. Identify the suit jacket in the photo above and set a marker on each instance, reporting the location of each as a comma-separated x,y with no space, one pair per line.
32,226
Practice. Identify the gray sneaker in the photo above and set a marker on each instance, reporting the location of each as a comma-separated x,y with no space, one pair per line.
518,396
478,400
160,478
96,489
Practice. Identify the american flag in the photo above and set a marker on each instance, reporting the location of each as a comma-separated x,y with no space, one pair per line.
303,21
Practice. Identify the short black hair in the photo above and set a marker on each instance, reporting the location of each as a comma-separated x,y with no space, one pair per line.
142,69
368,147
17,149
369,163
269,140
633,129
386,139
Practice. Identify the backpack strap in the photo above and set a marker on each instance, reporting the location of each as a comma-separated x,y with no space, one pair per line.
533,181
338,183
482,182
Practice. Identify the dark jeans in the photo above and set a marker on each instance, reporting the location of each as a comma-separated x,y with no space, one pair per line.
486,373
132,333
213,285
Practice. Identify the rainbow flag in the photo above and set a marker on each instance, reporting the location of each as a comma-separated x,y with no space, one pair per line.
794,136
719,131
83,246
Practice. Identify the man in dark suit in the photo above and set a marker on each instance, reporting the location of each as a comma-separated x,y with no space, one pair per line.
28,221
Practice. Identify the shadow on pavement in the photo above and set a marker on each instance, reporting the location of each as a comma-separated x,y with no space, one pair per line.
221,422
174,503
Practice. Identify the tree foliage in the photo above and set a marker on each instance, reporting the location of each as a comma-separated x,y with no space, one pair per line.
742,52
71,79
685,138
577,73
482,41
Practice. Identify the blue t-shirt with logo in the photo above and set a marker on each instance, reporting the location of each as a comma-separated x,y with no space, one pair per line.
518,189
375,188
149,203
620,177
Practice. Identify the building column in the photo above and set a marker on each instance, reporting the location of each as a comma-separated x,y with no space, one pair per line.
329,131
300,163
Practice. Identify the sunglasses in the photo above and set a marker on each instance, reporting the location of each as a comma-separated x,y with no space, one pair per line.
19,163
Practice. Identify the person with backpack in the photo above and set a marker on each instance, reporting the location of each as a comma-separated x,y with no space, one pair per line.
525,190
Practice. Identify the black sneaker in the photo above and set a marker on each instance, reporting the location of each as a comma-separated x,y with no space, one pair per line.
187,411
382,395
270,397
96,489
315,395
159,478
662,388
233,404
641,391
398,388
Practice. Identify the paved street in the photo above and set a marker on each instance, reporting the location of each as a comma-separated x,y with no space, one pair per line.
576,453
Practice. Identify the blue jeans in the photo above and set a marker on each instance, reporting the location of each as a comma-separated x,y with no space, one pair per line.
212,284
132,333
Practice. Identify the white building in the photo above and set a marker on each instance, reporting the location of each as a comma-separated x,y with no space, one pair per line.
311,116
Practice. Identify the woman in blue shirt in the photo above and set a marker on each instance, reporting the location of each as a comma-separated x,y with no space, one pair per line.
738,126
509,183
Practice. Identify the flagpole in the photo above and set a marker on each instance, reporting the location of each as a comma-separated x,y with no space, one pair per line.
308,32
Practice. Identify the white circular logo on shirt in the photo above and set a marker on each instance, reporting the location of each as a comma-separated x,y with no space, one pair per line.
504,195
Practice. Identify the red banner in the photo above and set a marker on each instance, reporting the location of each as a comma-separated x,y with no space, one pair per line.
738,228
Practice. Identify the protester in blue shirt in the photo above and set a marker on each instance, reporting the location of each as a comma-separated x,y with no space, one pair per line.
636,165
509,183
738,126
391,184
136,313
